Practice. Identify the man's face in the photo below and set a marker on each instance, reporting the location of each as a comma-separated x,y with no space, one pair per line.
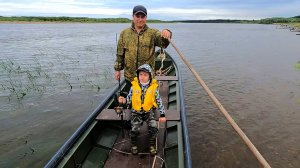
139,20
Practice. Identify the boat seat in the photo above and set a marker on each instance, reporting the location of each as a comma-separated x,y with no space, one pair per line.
166,78
110,114
171,115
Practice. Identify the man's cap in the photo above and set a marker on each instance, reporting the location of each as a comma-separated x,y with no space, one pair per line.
139,9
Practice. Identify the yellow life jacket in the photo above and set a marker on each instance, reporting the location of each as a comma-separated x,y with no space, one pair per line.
149,97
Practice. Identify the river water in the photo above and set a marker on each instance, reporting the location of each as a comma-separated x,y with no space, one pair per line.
54,75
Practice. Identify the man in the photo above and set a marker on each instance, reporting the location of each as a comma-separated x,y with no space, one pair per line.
136,45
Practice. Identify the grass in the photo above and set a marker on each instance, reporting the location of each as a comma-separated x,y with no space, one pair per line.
19,80
294,24
297,65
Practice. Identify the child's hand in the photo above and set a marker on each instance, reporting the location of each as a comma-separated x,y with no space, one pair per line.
162,119
122,100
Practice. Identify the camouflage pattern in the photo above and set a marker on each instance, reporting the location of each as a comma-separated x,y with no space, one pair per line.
145,68
136,123
136,49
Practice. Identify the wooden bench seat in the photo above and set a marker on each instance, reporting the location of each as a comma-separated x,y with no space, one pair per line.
166,78
110,114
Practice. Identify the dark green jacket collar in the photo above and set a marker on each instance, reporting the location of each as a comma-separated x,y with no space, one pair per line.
142,31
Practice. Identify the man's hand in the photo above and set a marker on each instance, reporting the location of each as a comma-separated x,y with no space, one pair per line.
166,34
118,75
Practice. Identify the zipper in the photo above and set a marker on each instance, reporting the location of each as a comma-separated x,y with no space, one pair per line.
138,52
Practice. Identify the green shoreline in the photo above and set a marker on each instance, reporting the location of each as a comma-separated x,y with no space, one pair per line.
293,22
63,19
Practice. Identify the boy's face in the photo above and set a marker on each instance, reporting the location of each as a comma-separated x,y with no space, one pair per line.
144,76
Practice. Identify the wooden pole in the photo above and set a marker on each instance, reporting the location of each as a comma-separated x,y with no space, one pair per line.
259,157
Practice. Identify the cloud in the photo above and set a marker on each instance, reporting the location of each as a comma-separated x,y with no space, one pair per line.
191,13
236,11
57,7
195,9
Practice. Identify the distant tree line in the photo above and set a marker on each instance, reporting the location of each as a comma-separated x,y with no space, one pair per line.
63,19
208,21
295,19
67,19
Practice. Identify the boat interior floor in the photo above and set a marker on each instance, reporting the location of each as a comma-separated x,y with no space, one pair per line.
121,155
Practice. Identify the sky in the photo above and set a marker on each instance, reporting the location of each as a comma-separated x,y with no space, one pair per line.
157,9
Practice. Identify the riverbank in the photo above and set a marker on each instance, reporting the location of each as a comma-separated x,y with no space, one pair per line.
290,25
293,22
63,19
293,27
296,25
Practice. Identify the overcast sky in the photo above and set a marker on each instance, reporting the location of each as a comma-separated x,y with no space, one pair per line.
157,9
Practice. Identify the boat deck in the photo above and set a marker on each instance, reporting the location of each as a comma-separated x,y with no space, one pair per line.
103,140
121,156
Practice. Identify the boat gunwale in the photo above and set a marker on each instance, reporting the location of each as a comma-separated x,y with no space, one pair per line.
188,160
66,147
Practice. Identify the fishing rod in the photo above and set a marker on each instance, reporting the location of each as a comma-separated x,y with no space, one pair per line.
119,109
256,153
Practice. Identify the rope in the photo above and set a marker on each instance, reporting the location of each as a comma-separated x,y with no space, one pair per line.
153,164
127,153
259,157
154,160
160,71
167,70
161,56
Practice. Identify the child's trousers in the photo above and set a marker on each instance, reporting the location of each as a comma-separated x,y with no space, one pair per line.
137,120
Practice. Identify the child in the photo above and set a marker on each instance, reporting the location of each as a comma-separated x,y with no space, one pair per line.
144,97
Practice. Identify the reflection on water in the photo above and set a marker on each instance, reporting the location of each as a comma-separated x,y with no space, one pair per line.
60,67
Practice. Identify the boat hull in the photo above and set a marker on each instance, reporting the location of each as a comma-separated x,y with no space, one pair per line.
103,139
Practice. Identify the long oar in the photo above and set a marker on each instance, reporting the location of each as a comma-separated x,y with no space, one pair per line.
259,157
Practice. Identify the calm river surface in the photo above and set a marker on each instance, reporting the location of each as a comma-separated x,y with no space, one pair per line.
52,76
